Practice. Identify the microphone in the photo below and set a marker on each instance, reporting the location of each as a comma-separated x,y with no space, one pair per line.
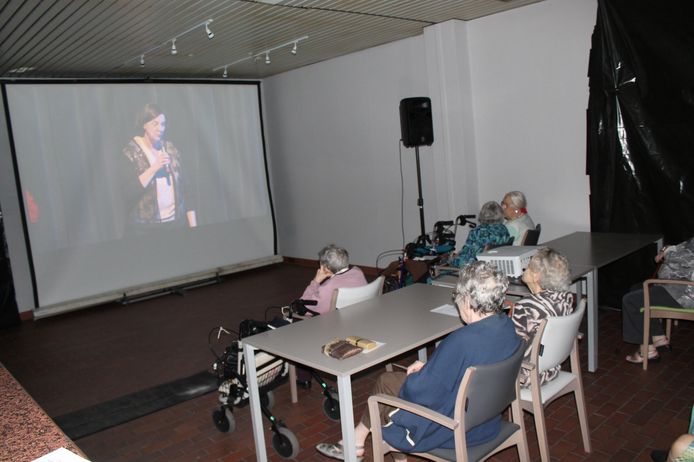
167,168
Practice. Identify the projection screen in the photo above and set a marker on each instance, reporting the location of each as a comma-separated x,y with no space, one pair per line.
127,184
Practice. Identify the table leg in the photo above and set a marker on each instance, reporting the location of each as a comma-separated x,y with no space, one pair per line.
292,384
254,401
422,354
592,294
344,388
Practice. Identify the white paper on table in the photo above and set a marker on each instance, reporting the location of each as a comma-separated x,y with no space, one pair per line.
61,455
447,309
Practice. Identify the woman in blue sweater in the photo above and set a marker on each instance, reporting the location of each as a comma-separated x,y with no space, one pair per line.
491,231
488,337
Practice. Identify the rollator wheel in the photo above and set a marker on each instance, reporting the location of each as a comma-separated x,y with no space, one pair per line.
285,443
331,407
224,420
268,400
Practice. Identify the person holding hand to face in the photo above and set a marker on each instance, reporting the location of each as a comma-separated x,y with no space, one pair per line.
333,273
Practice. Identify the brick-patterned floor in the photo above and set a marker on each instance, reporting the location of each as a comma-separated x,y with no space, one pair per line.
631,411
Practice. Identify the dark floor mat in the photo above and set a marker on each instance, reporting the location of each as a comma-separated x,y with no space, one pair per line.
96,418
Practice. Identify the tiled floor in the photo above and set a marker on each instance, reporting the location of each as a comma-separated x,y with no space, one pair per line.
631,411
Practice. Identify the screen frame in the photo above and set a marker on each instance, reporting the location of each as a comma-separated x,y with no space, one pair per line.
156,285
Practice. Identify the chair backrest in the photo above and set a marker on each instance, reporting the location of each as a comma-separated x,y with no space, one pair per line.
555,338
351,295
532,236
487,390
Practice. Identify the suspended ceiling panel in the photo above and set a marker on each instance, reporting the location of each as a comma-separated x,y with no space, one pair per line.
110,38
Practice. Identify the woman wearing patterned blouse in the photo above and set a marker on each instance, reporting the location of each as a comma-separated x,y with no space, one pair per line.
548,278
491,231
154,182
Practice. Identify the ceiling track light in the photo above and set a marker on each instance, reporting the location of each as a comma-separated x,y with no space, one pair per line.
225,75
255,57
172,40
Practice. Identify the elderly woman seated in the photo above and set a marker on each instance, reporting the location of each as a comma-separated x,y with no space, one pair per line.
548,278
491,231
517,219
333,273
487,337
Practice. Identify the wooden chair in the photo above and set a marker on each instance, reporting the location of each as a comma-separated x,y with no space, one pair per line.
485,391
351,295
555,340
532,236
661,312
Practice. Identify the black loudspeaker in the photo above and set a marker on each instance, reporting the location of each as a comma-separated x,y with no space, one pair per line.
415,122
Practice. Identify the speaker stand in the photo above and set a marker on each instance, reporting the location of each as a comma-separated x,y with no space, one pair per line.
423,238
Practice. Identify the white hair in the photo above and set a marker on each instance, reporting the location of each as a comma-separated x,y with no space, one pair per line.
483,285
333,257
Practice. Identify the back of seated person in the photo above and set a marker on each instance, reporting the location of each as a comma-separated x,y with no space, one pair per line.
333,273
548,277
516,213
491,231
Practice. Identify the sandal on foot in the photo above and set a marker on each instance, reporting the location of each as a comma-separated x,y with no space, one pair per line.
335,451
662,343
636,358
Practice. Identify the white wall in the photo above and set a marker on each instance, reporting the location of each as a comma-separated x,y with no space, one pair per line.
333,130
333,133
530,94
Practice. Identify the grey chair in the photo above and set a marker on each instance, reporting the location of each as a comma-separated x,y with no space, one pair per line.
485,392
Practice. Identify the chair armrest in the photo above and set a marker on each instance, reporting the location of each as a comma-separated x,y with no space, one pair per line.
415,409
650,282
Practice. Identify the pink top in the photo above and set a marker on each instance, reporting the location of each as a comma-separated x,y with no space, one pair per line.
323,292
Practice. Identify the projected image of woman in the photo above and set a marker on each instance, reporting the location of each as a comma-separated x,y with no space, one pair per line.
154,183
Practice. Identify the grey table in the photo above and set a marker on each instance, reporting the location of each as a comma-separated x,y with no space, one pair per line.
596,250
402,320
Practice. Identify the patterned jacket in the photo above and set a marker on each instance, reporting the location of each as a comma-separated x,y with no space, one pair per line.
144,199
478,238
529,312
678,263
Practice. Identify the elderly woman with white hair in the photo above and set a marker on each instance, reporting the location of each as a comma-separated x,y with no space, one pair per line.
548,277
516,213
487,337
333,273
491,231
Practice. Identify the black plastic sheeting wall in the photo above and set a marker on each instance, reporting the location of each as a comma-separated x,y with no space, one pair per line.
641,118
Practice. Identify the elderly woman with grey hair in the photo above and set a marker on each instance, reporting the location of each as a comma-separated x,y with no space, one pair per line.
333,273
516,213
491,231
487,337
548,277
